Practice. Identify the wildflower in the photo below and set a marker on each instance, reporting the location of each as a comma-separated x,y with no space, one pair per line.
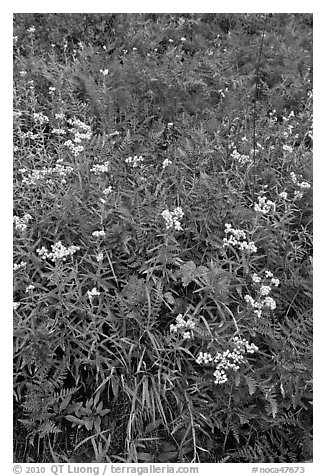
297,195
275,281
166,163
134,49
21,223
242,159
186,335
269,302
40,118
16,305
15,38
183,39
287,148
172,219
293,177
30,288
107,191
256,278
98,169
22,73
171,41
181,325
20,266
31,29
265,290
98,234
134,161
81,132
304,185
99,257
269,274
61,132
237,239
264,206
59,116
92,293
204,357
105,72
230,359
59,252
249,299
283,195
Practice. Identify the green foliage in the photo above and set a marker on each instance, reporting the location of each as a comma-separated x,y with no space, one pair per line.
126,270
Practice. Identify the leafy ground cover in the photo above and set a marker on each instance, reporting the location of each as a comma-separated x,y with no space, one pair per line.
162,237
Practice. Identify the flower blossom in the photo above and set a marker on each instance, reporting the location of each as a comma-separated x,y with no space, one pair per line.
237,238
264,206
172,219
181,324
92,293
227,360
21,223
59,252
99,169
135,161
98,234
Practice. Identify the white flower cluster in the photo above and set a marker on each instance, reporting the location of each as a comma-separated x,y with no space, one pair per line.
99,257
237,238
172,219
99,234
99,169
106,192
264,300
228,360
283,195
134,161
59,251
297,195
81,132
181,324
92,293
40,118
299,184
16,305
59,132
264,206
20,265
30,288
59,115
166,163
21,223
242,159
287,148
46,173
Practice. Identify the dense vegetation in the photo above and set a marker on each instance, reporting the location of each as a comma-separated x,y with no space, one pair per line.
162,237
